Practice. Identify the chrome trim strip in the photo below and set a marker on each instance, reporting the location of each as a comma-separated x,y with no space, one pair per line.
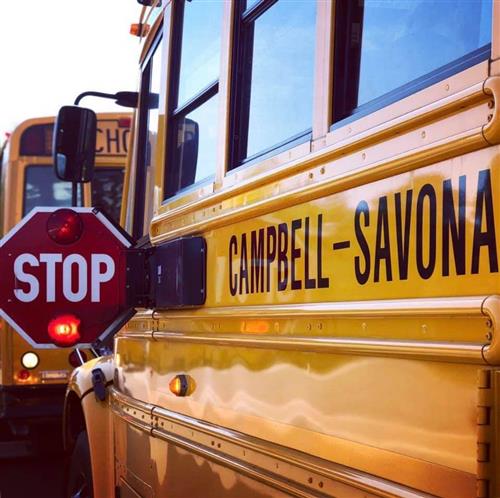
441,351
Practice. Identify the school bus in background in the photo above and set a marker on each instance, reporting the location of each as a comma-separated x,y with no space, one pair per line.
325,177
33,381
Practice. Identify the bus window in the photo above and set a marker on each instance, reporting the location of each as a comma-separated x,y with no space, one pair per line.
107,186
42,188
416,43
274,77
193,116
148,136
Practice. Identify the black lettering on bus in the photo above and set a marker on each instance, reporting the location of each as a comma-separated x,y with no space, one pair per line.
382,244
243,264
233,277
484,209
282,256
294,255
270,253
403,233
115,139
309,283
453,227
362,209
426,270
125,136
323,282
99,150
257,261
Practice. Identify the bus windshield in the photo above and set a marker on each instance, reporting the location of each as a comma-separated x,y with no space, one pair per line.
107,186
43,188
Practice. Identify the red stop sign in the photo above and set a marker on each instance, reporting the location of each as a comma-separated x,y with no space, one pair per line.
63,276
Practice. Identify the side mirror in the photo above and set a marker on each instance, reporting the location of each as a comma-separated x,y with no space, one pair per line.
74,144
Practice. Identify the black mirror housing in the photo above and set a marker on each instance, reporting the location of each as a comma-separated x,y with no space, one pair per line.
74,144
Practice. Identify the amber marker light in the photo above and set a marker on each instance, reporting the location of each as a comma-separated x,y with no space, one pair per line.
138,29
30,360
255,327
64,226
64,330
182,385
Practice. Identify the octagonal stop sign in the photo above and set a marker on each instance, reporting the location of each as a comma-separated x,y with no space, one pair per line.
63,275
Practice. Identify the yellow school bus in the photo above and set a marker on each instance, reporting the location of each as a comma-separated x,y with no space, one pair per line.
327,175
33,381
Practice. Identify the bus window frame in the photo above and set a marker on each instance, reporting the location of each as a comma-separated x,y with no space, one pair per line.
140,167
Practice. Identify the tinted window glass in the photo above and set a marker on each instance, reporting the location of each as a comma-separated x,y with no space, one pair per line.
273,80
200,52
147,140
193,103
154,91
196,146
42,188
107,187
383,45
282,74
37,140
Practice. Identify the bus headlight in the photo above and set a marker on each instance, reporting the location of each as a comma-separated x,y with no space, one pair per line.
30,360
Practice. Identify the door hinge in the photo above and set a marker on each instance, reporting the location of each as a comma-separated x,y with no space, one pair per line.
99,384
138,278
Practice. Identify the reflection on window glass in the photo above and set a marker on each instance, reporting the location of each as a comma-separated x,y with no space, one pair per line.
193,127
43,188
107,187
392,43
251,3
282,65
200,51
154,90
195,153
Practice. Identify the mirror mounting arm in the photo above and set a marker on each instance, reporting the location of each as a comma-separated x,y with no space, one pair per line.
124,99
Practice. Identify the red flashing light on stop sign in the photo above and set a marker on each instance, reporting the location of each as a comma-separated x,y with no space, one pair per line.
64,330
64,226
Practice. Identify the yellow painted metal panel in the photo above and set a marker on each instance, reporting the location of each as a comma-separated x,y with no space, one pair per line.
429,232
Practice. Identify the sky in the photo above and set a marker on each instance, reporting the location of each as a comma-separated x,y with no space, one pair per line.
52,50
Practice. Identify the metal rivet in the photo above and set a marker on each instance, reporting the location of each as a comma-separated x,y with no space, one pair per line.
423,134
490,117
491,104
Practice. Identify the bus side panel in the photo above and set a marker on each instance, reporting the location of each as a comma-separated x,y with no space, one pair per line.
339,408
